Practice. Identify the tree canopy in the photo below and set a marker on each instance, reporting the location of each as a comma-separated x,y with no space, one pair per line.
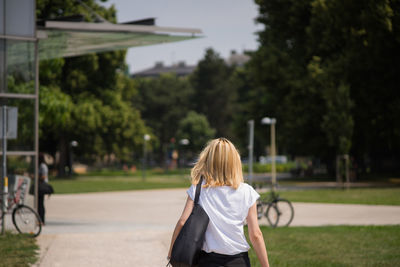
328,71
196,129
87,98
213,94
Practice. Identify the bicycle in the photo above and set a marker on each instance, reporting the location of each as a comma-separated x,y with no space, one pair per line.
24,218
279,211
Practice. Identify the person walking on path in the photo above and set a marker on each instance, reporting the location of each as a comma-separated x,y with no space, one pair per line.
44,189
228,202
43,169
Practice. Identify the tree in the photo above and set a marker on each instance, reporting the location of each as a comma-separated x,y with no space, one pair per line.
85,98
279,85
328,71
163,102
196,129
213,95
359,44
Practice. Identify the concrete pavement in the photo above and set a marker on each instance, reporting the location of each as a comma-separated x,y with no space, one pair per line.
110,229
134,228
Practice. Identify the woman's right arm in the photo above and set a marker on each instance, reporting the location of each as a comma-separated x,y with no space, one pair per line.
256,236
187,210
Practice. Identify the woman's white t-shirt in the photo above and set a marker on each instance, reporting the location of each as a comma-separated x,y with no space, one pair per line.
227,209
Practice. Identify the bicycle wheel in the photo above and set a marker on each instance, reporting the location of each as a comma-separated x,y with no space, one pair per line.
26,220
285,210
272,214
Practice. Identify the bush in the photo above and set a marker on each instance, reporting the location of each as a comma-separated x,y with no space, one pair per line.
280,167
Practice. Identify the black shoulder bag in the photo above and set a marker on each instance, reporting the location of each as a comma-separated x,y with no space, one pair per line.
188,244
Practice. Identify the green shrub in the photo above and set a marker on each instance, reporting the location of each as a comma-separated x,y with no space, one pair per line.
263,168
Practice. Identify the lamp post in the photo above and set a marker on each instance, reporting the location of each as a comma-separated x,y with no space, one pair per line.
251,148
183,142
272,122
4,176
146,138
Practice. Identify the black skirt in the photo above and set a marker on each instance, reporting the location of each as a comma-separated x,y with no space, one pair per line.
217,260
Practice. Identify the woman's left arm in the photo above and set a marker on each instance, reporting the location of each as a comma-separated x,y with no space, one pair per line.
185,215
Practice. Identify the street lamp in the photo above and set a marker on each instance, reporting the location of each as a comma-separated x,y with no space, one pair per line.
146,138
183,142
272,122
251,148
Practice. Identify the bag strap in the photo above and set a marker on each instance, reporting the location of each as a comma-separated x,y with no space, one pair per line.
198,189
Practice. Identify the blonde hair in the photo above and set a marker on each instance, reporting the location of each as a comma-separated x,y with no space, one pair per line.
219,163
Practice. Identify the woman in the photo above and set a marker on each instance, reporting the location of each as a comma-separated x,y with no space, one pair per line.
43,169
44,189
228,202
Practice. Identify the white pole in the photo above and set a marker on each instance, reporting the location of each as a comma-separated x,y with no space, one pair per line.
36,158
144,160
146,138
4,176
273,155
251,148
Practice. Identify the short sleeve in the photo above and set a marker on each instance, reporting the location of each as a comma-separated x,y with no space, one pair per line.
41,171
252,196
191,191
45,169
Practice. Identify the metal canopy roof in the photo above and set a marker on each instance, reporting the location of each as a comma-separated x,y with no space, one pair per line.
67,39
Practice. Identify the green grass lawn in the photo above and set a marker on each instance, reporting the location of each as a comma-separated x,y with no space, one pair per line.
85,184
331,246
149,172
17,250
376,196
120,181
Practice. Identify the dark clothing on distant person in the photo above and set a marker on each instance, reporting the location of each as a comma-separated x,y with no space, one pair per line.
44,189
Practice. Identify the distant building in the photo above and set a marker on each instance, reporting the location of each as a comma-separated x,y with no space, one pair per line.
180,69
236,59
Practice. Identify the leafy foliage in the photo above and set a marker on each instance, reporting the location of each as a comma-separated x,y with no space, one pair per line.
87,98
327,70
196,129
163,101
213,94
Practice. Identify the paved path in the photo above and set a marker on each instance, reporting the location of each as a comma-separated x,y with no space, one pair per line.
134,228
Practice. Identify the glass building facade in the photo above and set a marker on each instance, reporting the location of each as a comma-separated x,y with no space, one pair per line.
19,87
20,50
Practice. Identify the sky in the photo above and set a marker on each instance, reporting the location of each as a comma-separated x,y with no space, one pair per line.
226,24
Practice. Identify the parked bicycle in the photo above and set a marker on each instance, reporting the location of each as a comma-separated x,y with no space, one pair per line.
24,218
279,211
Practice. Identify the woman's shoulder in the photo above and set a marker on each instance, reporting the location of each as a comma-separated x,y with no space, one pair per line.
243,189
245,186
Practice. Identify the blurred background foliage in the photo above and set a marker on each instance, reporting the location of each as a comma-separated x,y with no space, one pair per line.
327,70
